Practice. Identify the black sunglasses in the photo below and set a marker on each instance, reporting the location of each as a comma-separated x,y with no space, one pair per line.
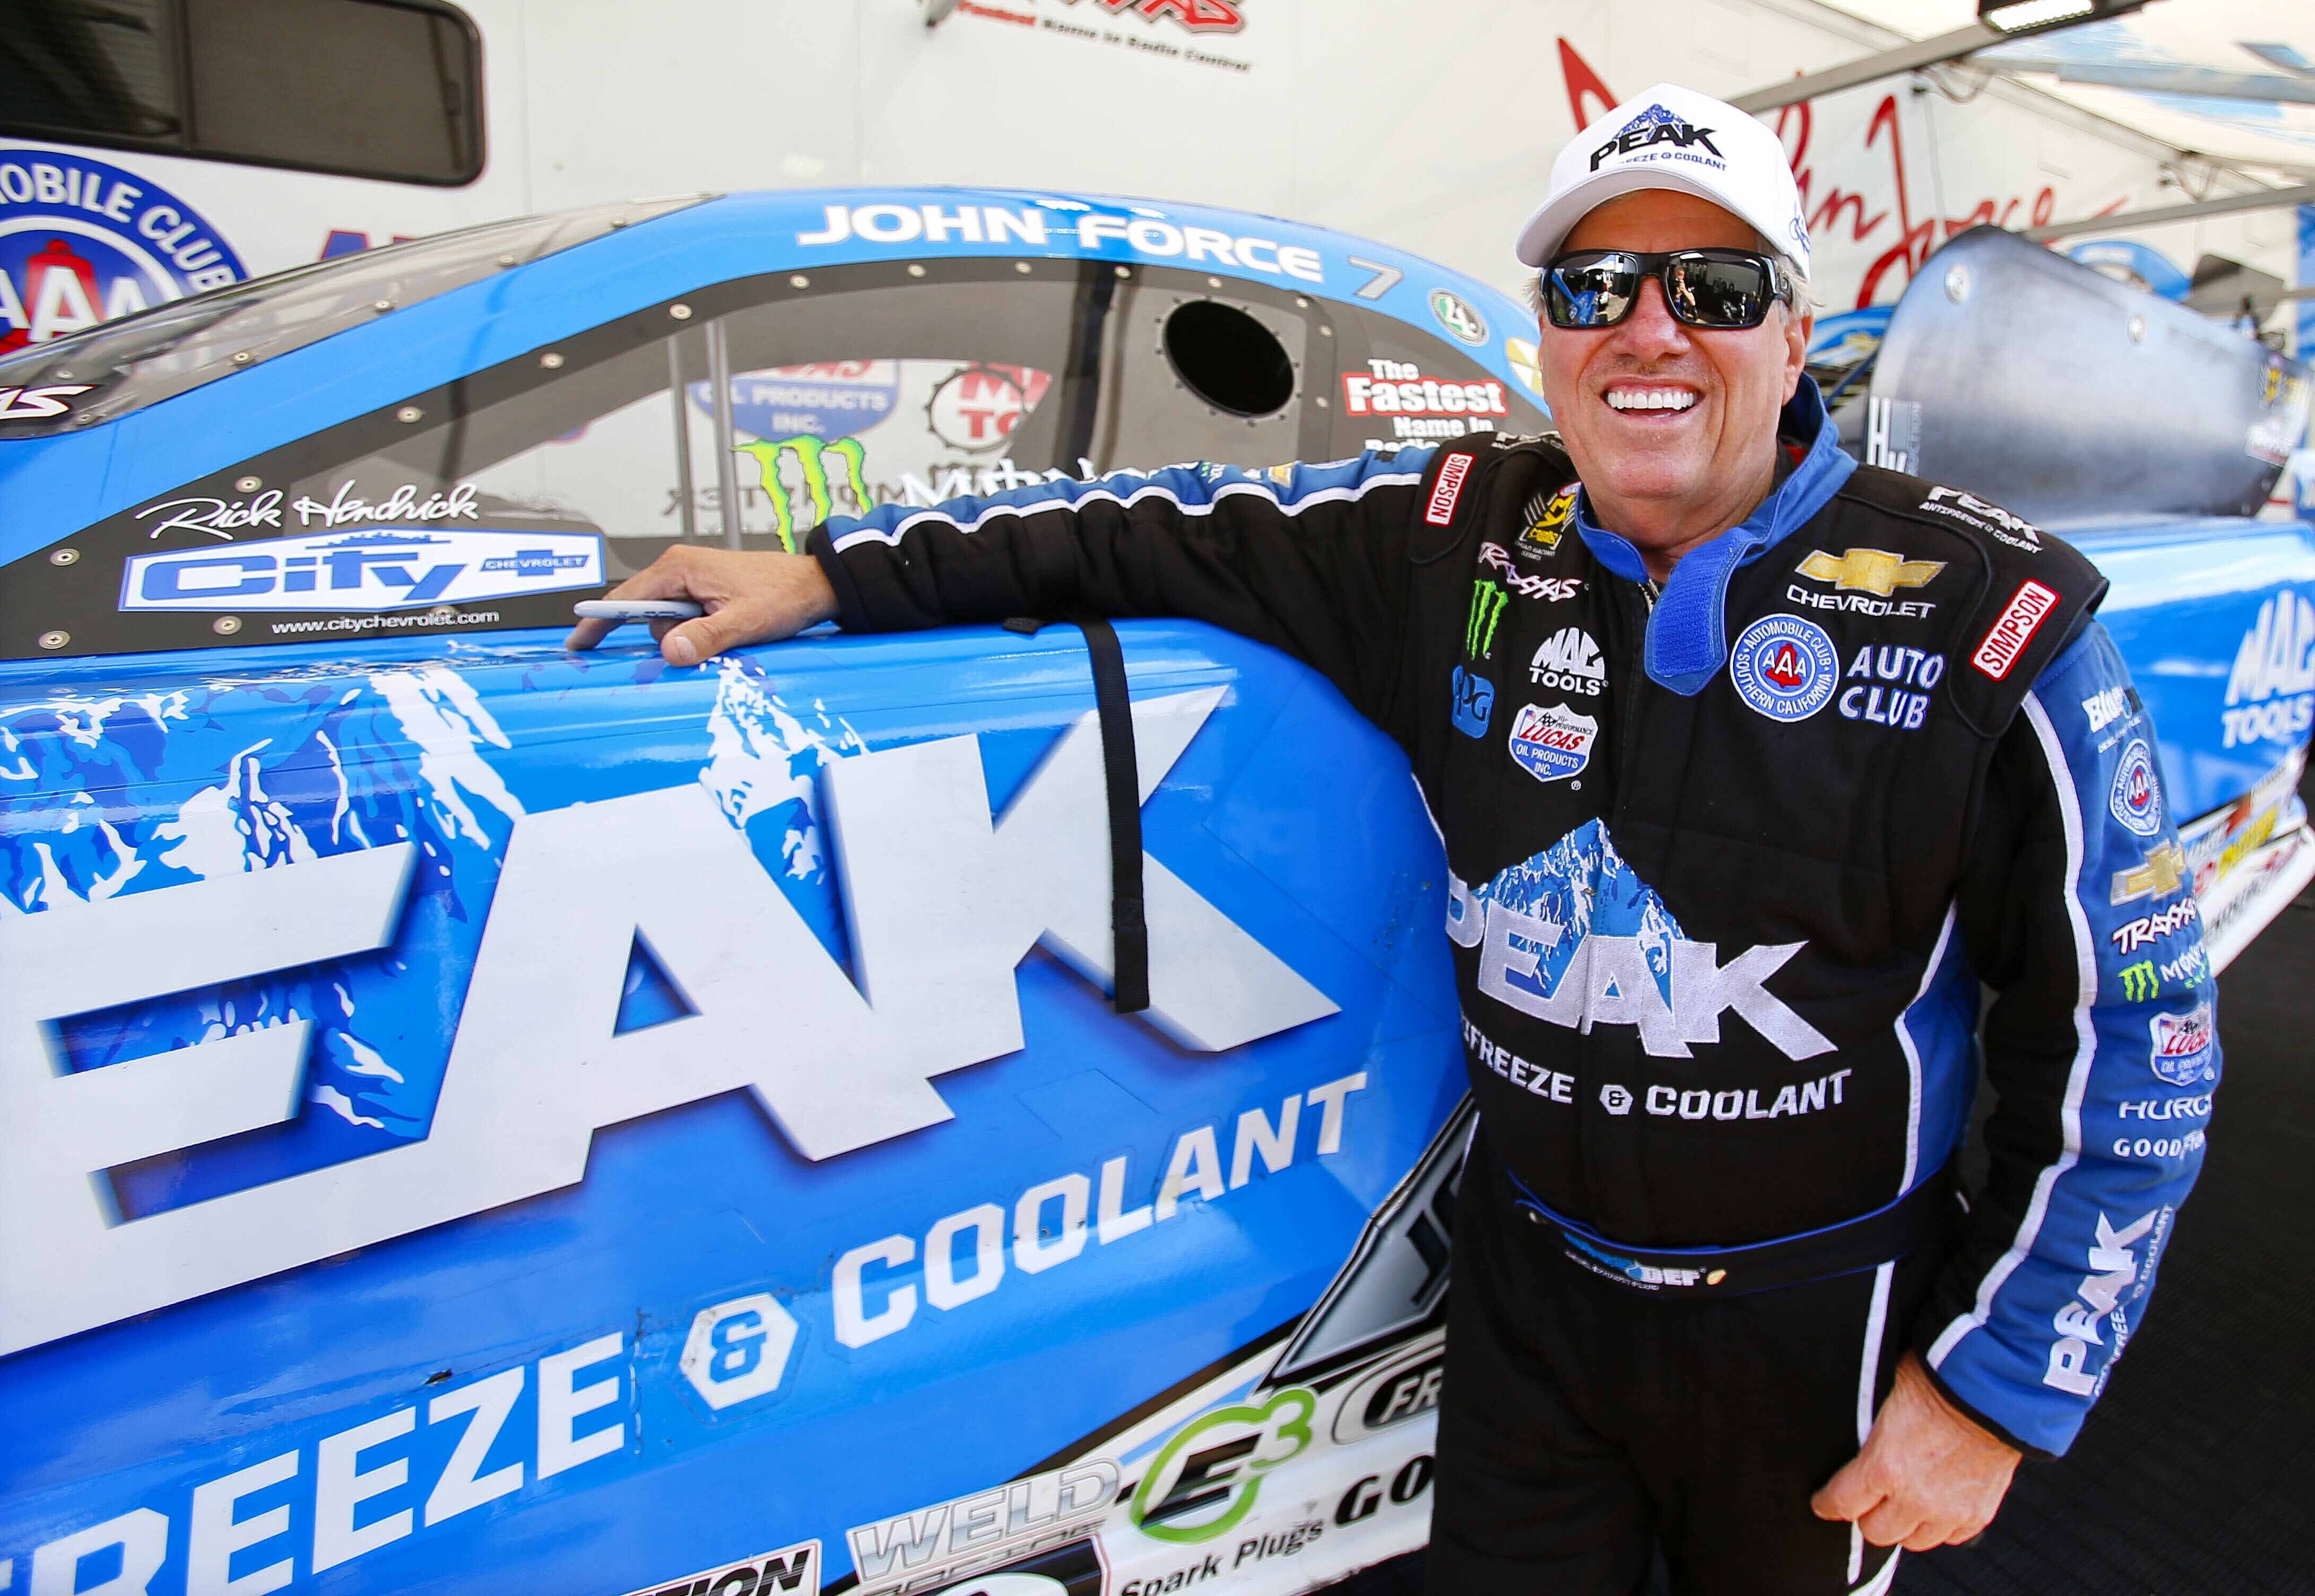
1724,289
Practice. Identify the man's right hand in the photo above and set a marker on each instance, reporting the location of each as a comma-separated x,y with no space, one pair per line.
748,599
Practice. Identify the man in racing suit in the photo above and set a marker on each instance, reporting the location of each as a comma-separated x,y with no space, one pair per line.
1753,767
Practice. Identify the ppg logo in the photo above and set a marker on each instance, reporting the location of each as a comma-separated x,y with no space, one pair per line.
390,568
1474,703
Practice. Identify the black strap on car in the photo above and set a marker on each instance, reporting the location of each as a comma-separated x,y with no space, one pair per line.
1121,778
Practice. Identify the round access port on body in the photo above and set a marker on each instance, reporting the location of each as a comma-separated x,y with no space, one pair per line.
1229,360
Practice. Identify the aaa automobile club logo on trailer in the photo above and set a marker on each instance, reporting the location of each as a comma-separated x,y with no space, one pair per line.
81,242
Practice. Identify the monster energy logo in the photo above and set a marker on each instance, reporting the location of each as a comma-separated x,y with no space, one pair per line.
812,460
2139,981
1487,601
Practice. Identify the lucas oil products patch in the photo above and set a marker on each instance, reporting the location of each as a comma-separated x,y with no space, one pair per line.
1552,744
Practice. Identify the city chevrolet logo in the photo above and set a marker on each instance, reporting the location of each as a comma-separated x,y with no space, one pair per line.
2163,873
1876,571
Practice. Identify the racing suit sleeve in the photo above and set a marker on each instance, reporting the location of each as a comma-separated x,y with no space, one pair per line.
2101,1048
1311,559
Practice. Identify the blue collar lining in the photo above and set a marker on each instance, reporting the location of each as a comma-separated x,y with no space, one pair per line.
1688,629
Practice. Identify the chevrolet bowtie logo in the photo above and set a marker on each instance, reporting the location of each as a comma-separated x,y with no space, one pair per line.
2164,869
1876,571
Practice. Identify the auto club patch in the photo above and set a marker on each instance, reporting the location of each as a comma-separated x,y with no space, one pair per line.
1552,744
2136,801
1784,667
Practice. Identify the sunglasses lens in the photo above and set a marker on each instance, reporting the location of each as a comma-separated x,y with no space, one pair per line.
1590,292
1707,292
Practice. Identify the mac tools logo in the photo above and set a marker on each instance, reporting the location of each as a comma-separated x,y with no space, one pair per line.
1570,661
1655,125
1575,937
390,568
81,242
942,901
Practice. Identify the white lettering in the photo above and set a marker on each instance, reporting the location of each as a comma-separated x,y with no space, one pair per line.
943,1289
855,1326
1196,1166
1255,1135
944,903
1116,1221
1329,1098
561,1403
215,1534
143,1537
1031,1251
341,1486
490,1401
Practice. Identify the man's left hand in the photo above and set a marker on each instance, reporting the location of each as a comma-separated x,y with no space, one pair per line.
1927,1477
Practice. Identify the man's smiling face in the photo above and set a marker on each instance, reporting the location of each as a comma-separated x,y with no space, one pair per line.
1665,420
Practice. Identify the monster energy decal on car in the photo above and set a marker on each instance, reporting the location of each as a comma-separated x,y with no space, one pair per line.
811,464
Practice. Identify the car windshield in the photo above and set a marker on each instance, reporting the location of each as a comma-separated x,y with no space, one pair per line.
162,353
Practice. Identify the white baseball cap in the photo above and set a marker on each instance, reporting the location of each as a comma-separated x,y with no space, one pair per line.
1672,137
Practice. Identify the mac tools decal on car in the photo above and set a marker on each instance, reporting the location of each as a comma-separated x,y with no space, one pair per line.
81,242
2271,691
385,568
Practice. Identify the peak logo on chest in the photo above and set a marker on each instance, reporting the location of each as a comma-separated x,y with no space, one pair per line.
1573,936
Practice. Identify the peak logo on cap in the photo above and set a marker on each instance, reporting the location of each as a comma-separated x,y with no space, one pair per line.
1673,138
1655,125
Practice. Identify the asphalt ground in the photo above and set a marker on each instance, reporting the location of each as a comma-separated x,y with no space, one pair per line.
2196,1474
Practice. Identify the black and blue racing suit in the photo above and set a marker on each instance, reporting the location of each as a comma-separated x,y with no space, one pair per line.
1731,865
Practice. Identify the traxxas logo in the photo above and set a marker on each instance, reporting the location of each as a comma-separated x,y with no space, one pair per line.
1655,125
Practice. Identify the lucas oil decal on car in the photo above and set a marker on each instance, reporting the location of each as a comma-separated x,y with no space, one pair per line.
829,399
81,242
442,997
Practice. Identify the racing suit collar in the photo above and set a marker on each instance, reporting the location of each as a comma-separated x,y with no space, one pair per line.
1688,631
